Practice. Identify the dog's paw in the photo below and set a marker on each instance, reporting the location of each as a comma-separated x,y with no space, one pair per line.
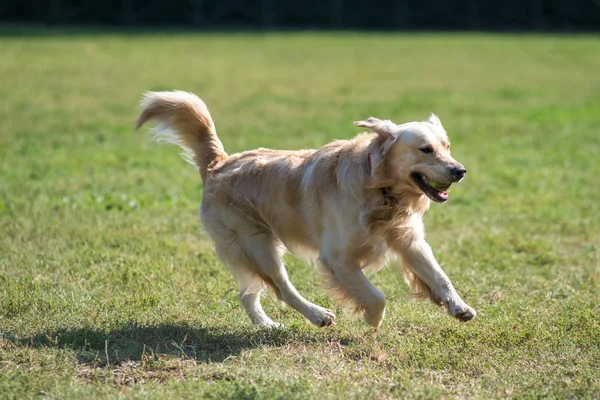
374,316
321,317
271,325
373,320
464,313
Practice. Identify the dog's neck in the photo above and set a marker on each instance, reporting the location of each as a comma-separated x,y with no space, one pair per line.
388,195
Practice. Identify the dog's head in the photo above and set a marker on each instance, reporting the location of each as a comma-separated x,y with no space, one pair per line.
414,158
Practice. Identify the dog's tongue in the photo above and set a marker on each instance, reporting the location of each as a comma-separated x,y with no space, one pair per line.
444,194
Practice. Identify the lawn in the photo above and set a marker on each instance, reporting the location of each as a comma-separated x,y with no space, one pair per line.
109,287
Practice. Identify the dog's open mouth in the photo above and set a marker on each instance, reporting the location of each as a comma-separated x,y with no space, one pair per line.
436,191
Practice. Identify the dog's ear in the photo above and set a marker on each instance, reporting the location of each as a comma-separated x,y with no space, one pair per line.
433,119
384,128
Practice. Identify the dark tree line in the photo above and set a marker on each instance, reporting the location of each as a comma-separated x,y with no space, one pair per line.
381,14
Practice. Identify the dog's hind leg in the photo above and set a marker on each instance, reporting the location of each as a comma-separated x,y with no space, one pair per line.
348,284
251,285
251,302
255,260
266,254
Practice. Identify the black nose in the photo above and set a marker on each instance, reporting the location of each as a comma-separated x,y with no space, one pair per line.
459,173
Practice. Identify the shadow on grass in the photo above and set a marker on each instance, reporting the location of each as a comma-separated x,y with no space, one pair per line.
134,343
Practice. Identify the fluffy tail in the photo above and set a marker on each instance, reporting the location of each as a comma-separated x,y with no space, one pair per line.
184,121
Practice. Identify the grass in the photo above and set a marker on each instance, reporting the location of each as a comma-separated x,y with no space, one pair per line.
108,287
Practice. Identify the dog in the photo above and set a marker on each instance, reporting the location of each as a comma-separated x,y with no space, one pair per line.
349,205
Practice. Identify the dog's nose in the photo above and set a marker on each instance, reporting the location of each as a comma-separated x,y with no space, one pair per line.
459,173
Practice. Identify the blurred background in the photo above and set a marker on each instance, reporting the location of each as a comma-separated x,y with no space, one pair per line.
385,14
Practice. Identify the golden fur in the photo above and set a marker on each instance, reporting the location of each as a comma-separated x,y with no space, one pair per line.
350,205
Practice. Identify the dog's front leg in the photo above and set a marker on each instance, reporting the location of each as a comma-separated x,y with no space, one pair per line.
418,258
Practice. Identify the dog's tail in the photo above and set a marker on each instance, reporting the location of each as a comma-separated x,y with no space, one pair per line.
184,121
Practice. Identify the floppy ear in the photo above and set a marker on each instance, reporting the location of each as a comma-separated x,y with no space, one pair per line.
384,128
433,119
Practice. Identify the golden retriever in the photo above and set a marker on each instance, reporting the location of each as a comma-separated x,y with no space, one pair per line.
350,205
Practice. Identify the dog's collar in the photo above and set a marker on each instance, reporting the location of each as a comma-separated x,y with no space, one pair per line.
388,195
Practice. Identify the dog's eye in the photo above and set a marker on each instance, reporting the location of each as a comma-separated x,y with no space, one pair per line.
427,150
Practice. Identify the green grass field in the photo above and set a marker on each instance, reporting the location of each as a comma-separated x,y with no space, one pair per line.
109,288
